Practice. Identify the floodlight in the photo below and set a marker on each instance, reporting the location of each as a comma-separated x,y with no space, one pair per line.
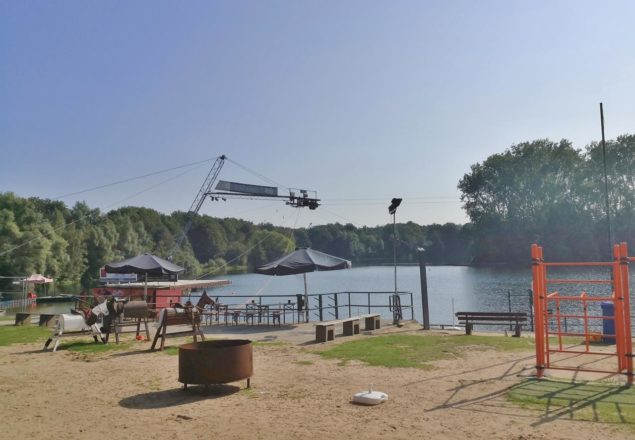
393,206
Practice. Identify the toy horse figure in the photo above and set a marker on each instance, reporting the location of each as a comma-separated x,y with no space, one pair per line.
178,314
80,321
194,312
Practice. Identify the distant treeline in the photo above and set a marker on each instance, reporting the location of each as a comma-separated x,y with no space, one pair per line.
44,236
534,192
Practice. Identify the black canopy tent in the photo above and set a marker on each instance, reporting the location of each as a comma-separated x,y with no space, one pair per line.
301,261
145,264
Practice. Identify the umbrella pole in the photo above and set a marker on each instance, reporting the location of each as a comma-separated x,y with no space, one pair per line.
145,289
306,301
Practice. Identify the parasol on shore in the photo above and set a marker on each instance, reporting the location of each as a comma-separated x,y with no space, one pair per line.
145,264
302,261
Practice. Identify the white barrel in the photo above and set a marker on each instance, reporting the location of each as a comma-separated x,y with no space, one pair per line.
71,323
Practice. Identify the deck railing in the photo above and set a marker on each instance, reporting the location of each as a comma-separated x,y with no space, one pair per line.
13,304
326,306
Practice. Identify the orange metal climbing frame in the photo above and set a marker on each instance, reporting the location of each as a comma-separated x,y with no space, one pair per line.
546,302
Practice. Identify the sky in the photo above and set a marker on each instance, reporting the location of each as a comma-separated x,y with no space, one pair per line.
361,101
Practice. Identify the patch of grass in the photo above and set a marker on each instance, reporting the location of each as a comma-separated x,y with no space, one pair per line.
414,351
88,346
172,350
269,343
250,392
597,402
304,362
23,334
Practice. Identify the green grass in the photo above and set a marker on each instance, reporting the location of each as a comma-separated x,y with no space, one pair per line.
88,346
595,402
413,351
269,343
23,334
26,334
172,350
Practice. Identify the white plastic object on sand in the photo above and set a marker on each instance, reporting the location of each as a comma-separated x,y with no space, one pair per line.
370,397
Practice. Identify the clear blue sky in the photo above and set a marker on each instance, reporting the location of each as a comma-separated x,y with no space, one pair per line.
360,100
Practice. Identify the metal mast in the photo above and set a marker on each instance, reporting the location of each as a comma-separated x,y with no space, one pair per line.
198,200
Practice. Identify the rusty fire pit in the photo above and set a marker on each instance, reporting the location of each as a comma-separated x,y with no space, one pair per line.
215,362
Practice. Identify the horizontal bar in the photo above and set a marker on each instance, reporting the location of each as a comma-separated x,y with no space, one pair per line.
372,305
582,352
503,314
580,316
293,295
582,335
584,369
582,263
577,298
574,281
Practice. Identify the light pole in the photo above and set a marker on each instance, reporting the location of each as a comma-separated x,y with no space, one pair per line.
396,305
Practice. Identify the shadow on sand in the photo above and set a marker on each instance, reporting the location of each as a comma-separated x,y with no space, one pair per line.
177,396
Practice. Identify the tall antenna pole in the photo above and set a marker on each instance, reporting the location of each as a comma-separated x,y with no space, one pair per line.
606,186
394,248
396,303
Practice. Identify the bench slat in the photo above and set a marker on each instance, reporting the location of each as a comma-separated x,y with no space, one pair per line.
492,318
503,314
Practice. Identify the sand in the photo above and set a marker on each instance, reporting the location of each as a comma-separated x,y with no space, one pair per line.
134,394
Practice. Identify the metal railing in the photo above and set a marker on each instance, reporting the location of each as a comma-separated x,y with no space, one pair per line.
323,306
17,303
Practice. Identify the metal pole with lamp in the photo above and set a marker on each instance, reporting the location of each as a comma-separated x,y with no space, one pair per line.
392,210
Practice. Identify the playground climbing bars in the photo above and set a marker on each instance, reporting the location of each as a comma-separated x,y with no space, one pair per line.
545,303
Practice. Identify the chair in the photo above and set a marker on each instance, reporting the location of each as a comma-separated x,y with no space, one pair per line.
250,311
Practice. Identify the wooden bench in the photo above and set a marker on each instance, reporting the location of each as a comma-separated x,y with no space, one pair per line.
492,318
325,331
371,321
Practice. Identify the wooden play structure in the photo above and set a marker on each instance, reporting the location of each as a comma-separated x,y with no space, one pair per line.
189,315
135,314
552,310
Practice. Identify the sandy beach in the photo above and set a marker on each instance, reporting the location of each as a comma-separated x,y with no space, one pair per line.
295,393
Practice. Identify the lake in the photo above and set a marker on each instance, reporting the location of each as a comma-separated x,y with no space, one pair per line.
450,288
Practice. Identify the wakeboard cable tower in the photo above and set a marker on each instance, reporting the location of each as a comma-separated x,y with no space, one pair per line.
297,198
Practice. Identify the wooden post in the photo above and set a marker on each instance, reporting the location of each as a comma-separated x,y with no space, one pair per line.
424,289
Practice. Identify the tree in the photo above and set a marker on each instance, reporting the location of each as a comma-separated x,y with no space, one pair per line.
517,197
207,238
267,246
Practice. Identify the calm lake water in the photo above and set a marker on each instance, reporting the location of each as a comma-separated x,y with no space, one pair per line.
450,288
468,288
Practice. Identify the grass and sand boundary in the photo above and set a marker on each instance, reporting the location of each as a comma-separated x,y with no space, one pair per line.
466,361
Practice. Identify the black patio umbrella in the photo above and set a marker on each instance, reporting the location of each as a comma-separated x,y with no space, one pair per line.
301,261
144,264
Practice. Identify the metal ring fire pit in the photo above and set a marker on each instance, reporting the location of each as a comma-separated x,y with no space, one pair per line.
215,362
